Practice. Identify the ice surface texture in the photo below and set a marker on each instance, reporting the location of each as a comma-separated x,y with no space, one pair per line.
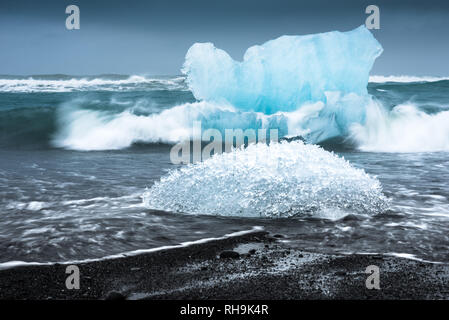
280,180
284,73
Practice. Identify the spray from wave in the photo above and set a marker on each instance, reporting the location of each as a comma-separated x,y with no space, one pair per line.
100,130
405,79
73,84
403,129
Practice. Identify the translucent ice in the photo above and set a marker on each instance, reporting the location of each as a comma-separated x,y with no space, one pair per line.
279,180
312,86
285,73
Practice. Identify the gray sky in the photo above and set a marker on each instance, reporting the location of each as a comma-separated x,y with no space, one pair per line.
152,36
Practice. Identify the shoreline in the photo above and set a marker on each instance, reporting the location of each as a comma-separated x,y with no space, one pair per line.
17,263
251,265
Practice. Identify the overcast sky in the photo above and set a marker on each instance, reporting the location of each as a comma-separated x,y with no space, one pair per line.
151,37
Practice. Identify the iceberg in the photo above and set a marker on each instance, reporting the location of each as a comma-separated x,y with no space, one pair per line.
285,73
312,86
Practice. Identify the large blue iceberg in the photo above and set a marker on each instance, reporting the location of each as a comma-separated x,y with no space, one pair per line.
284,73
312,86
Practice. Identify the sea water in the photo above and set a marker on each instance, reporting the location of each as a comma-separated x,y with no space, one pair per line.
85,167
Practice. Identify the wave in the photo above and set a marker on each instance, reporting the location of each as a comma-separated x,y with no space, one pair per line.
277,180
30,85
62,83
405,128
86,130
122,123
14,264
405,79
293,84
99,130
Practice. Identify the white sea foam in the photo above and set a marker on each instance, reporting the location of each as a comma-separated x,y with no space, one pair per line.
14,264
279,180
97,130
86,84
403,129
405,79
83,129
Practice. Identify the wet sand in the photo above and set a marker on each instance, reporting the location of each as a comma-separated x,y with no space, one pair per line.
251,266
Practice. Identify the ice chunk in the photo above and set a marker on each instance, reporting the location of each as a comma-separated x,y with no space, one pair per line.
285,73
279,180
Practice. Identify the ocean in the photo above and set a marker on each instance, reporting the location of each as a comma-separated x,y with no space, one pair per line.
80,157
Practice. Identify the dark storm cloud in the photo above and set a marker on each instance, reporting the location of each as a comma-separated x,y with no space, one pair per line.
152,37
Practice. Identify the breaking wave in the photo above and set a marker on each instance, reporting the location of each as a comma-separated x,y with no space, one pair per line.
405,128
405,79
99,130
71,84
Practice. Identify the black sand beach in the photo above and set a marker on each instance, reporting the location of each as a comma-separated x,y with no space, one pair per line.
251,266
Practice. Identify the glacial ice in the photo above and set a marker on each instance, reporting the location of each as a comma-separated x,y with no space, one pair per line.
312,86
277,180
285,73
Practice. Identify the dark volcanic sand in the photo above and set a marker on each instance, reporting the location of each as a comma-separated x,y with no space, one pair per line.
273,271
